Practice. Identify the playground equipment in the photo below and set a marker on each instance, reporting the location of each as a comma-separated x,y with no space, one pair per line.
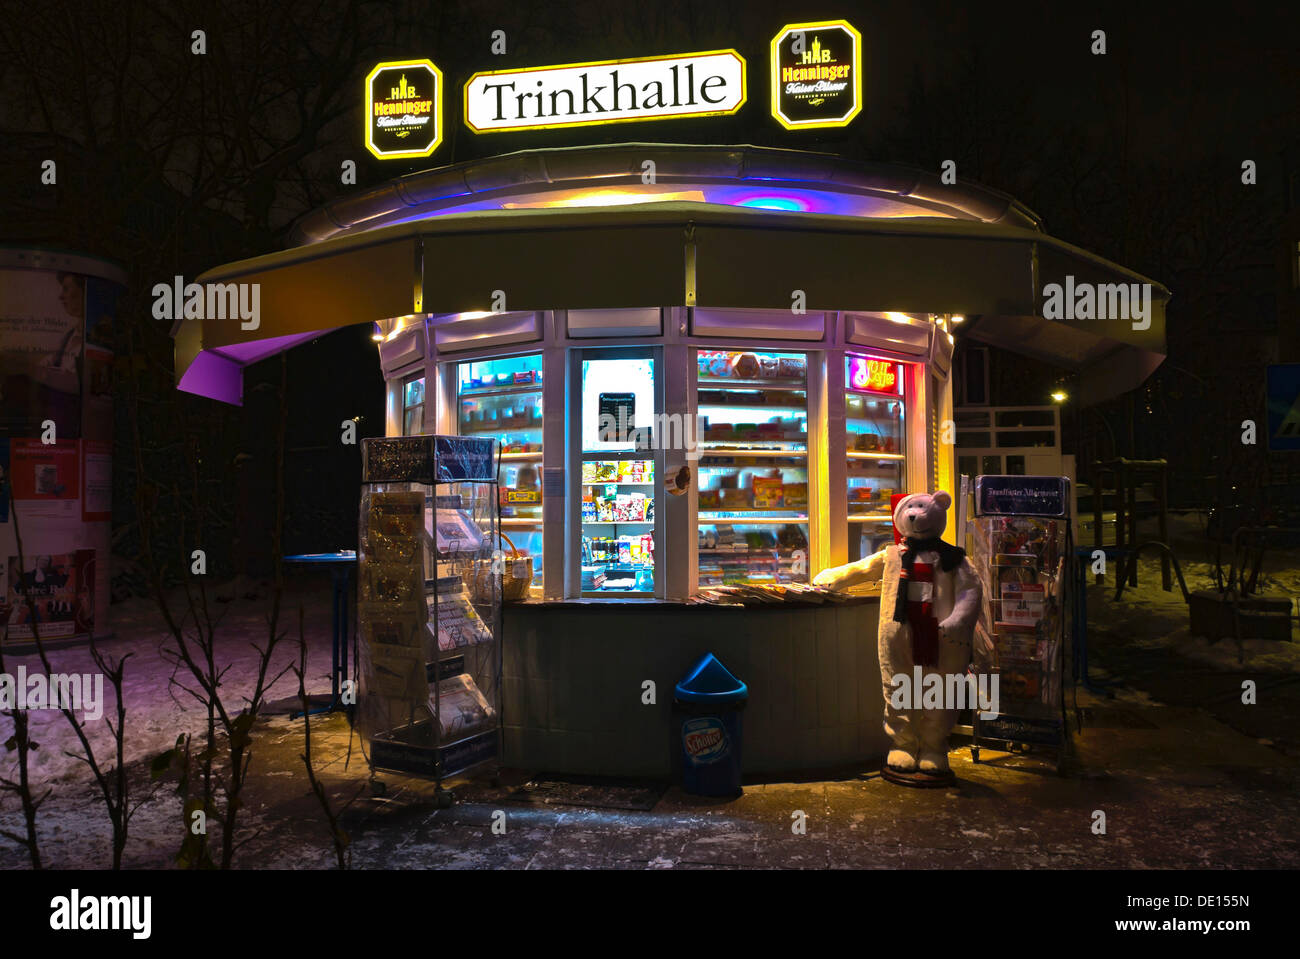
1128,476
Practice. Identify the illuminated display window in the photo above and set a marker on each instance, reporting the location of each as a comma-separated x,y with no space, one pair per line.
618,482
874,419
502,398
753,471
413,406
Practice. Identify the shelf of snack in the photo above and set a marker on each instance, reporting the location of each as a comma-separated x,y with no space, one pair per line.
753,553
874,421
502,398
429,598
618,519
753,469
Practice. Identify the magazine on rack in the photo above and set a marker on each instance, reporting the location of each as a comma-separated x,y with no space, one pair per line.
394,525
460,708
458,622
452,529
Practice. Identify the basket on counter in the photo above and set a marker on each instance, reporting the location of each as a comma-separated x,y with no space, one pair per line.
516,575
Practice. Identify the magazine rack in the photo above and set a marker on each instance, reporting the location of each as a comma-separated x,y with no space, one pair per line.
429,607
1021,551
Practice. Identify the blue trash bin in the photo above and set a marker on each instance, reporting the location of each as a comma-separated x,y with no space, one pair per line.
707,716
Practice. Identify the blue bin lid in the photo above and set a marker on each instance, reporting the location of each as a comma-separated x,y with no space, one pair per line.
710,682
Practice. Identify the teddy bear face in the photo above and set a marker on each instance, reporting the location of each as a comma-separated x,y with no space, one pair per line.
922,515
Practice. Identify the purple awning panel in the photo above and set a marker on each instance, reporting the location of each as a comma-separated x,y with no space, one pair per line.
219,374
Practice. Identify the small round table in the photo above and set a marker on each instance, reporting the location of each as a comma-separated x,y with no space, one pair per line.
340,565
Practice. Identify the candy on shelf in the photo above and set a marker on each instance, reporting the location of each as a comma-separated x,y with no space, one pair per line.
769,492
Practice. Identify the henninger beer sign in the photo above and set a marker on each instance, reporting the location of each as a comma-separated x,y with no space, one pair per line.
403,109
611,91
816,75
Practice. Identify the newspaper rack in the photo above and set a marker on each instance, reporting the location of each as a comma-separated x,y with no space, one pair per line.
1021,550
429,605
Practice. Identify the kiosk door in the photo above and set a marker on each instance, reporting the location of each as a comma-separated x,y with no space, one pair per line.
615,419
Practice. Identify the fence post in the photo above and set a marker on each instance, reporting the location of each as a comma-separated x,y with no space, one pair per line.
1163,493
1131,491
1121,531
1098,537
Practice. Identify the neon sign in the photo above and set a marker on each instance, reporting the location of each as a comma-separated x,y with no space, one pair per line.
403,109
875,376
816,80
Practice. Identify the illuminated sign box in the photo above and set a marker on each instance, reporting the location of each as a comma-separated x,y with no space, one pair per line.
610,91
875,376
403,109
1022,496
816,76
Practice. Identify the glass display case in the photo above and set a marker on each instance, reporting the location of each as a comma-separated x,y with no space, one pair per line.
874,412
429,606
753,467
618,477
502,398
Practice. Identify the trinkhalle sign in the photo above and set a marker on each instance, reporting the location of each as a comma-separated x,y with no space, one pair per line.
612,91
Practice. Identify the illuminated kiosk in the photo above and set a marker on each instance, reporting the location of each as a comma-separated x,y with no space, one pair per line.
796,308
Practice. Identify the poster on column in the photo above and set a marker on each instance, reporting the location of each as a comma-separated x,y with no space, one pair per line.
42,314
101,308
46,481
54,591
97,399
97,366
4,479
96,481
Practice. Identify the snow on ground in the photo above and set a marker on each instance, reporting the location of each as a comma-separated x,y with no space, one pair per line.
1148,616
73,824
157,711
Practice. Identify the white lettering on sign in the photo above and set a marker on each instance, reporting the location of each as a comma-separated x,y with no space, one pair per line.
653,88
821,86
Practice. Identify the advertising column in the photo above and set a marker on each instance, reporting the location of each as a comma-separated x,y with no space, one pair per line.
56,420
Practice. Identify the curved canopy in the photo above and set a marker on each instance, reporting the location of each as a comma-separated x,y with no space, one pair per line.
723,227
618,174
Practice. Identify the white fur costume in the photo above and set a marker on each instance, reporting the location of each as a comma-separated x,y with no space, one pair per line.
920,736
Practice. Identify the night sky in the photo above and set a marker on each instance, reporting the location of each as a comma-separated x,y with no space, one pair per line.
171,163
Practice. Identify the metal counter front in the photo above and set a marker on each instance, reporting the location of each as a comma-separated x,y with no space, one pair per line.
575,678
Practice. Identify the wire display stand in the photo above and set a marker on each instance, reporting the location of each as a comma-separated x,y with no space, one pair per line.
429,608
1022,552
